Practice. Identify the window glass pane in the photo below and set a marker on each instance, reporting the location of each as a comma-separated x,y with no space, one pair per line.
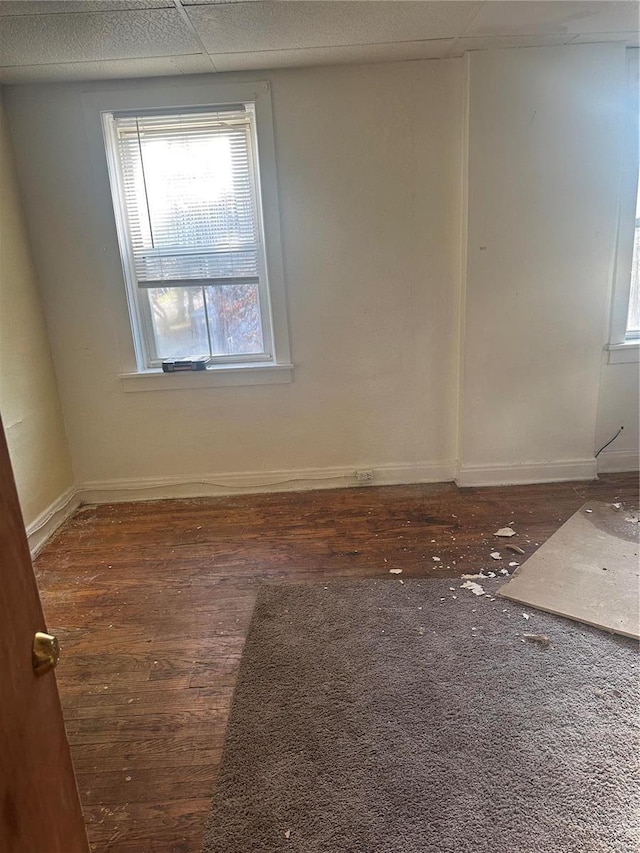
234,319
633,321
199,190
179,321
190,196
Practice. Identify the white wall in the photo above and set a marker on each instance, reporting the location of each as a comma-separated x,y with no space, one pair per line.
29,401
618,407
371,161
545,133
370,186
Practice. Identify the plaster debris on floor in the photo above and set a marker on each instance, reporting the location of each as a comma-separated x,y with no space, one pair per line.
539,639
505,531
395,571
474,587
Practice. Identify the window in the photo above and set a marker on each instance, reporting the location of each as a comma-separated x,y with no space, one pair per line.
633,315
187,199
624,343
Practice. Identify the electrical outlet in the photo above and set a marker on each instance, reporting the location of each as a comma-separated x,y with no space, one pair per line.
364,476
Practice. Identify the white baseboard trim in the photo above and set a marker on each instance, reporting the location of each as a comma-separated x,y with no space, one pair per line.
156,488
251,482
42,528
304,479
617,461
533,472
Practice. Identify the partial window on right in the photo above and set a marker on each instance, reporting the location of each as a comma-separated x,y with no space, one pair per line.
624,341
633,317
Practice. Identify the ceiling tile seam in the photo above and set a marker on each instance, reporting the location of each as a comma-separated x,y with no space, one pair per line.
220,3
567,38
606,33
167,56
598,38
554,34
330,46
452,39
180,9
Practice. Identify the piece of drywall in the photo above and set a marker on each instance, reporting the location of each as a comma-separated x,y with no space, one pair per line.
29,401
587,571
545,133
369,178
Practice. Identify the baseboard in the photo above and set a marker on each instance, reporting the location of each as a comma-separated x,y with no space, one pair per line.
40,530
251,482
45,525
304,479
534,472
616,461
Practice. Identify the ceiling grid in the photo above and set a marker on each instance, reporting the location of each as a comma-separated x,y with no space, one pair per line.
98,39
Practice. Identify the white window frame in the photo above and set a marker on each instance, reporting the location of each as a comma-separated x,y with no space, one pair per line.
274,367
624,346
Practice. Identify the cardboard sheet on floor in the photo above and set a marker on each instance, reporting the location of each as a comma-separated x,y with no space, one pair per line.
588,571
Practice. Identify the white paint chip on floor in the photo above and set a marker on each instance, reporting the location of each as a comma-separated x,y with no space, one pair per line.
505,531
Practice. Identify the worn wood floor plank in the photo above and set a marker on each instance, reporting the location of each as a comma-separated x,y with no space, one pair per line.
152,603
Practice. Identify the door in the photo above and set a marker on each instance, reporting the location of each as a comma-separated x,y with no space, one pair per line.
39,806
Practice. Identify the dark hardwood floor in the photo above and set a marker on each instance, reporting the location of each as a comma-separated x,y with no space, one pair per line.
152,601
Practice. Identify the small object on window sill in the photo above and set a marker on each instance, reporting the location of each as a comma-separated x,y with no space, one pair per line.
180,365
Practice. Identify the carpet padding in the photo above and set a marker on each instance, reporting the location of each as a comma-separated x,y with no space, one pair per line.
380,717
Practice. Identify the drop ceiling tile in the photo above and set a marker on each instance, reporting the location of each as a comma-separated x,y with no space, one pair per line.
248,27
39,39
108,69
55,7
340,55
561,16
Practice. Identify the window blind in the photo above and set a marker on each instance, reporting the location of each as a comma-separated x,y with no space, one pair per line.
190,196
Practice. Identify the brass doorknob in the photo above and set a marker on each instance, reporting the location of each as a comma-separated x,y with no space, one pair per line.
46,651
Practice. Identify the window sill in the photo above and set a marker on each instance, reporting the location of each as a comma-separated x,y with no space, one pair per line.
213,377
625,353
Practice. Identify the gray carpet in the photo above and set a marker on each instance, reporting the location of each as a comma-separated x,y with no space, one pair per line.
380,717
